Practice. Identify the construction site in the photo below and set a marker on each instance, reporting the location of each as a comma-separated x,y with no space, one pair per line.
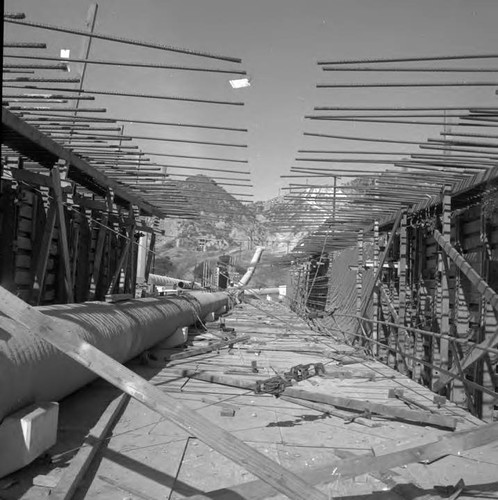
163,335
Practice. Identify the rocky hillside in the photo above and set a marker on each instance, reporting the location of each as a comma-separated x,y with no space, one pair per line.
228,226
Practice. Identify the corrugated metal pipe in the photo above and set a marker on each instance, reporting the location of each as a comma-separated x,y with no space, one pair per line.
31,370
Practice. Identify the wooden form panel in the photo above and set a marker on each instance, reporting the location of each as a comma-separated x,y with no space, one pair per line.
54,248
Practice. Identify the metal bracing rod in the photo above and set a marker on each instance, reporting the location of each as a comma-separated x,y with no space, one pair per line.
415,84
30,79
134,64
93,145
398,153
7,102
129,94
451,149
149,122
388,161
183,167
384,115
129,41
464,143
403,122
364,139
24,45
61,66
418,70
462,134
85,127
400,108
41,109
210,158
14,15
166,139
49,97
409,59
451,165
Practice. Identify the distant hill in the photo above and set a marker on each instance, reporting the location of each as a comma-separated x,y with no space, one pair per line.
230,227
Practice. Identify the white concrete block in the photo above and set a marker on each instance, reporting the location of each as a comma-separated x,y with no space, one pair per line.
210,318
179,337
26,434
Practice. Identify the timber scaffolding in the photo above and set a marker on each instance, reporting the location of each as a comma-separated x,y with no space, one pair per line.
403,260
81,198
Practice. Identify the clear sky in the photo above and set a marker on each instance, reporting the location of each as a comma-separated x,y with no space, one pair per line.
279,42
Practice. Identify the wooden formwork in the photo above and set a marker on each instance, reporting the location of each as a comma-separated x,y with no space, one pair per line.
426,296
61,243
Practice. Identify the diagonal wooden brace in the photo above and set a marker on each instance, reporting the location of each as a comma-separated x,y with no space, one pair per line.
114,372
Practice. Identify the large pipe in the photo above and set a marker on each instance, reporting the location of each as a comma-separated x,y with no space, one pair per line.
32,370
157,279
252,267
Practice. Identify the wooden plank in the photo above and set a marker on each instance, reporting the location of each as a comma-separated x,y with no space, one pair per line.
119,267
400,335
99,251
63,235
477,281
80,463
118,297
370,288
150,256
43,256
40,179
386,410
449,444
174,354
189,420
445,289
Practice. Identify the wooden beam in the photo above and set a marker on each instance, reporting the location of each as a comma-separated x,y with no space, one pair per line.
470,359
75,472
174,354
36,179
386,410
119,267
42,261
445,289
388,302
187,419
482,287
370,287
150,256
63,235
400,335
449,444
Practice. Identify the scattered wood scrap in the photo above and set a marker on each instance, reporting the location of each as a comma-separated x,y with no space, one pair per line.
114,372
419,417
174,354
448,444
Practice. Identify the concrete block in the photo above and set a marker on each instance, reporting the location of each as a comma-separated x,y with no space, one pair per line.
26,434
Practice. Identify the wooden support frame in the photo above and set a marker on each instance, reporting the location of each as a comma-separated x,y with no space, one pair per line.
43,256
63,234
367,296
400,334
445,288
104,366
